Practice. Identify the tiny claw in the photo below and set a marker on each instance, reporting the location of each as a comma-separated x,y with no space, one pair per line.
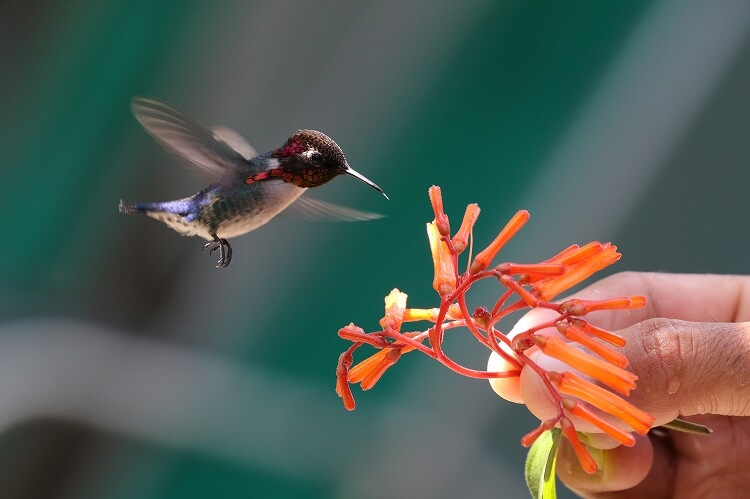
210,246
225,250
226,254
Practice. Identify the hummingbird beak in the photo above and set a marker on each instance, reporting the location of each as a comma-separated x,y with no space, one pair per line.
351,171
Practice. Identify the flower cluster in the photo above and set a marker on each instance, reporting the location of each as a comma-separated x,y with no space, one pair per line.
579,394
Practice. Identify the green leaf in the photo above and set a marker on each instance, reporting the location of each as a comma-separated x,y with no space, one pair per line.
687,426
540,465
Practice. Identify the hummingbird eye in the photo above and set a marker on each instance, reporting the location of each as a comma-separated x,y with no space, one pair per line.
316,158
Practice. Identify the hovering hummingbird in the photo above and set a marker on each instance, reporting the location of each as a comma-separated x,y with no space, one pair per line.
249,189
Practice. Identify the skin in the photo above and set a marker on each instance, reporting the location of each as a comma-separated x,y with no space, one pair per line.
690,347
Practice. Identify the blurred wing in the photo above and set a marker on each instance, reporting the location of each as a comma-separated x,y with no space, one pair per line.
308,208
235,141
213,153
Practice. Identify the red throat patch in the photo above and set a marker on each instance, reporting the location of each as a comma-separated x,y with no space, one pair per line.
291,148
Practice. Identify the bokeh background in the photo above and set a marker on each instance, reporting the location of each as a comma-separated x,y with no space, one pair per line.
131,367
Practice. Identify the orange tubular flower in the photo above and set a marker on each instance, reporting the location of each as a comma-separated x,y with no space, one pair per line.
395,307
342,382
522,286
369,371
576,334
461,239
483,259
580,265
441,219
583,307
543,270
430,314
581,411
573,385
587,462
445,273
581,253
421,314
619,379
609,337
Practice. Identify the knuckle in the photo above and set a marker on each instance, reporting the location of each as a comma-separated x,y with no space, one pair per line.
693,367
666,351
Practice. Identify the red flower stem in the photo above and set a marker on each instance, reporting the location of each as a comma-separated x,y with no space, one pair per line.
531,436
418,345
528,298
448,362
435,335
491,341
470,323
529,333
361,337
464,282
472,373
553,306
513,307
425,334
556,397
496,336
436,332
347,356
501,301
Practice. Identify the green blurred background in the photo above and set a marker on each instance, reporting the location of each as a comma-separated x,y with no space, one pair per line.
130,367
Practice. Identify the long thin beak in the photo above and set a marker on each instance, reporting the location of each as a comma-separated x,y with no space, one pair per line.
350,171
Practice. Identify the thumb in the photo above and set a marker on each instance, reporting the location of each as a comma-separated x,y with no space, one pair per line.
688,368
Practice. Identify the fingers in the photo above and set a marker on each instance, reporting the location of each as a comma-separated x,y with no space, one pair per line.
687,368
690,348
688,297
644,470
683,367
681,465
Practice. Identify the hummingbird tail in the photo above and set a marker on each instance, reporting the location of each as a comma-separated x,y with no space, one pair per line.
139,207
176,214
177,207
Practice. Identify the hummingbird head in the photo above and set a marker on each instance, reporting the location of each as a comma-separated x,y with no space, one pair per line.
310,159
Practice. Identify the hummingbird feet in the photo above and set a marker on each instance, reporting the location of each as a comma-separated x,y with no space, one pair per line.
225,250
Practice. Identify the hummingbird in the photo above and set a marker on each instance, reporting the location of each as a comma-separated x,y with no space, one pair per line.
248,189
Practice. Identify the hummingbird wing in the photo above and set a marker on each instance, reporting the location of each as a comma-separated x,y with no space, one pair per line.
214,152
235,141
310,208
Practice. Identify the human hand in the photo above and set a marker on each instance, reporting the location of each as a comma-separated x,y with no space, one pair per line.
690,347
